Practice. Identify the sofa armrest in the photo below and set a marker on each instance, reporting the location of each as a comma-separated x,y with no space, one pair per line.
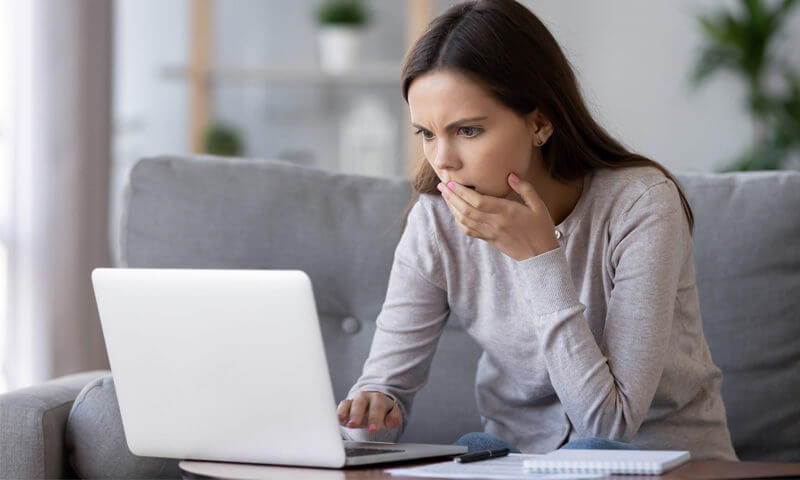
32,423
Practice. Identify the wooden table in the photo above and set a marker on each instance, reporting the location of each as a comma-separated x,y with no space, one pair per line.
691,470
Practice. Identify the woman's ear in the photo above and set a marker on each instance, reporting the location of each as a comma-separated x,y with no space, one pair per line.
539,127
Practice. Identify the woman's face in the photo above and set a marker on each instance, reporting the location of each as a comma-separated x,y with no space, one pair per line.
480,152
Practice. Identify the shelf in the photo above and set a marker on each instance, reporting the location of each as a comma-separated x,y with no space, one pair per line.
371,74
200,74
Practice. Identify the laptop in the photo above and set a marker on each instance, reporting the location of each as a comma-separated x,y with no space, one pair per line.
230,366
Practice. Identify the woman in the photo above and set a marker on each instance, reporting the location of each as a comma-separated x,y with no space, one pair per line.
567,258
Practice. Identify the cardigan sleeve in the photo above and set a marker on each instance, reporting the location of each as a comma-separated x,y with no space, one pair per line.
408,326
607,389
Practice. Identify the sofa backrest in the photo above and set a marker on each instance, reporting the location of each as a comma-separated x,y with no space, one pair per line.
747,262
204,211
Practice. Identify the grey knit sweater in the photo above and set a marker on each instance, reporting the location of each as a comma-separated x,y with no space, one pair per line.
601,337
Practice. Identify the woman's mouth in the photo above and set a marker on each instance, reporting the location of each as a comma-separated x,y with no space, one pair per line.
463,185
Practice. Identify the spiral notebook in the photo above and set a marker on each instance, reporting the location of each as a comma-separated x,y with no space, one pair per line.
508,467
606,461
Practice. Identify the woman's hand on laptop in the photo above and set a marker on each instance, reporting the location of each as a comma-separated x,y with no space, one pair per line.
371,410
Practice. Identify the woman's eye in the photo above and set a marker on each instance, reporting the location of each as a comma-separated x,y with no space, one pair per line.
423,132
475,131
472,129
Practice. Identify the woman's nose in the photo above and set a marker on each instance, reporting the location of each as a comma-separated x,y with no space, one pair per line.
445,157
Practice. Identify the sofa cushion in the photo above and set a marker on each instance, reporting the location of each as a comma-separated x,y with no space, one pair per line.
95,439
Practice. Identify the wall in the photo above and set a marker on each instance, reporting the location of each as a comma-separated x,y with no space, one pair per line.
632,59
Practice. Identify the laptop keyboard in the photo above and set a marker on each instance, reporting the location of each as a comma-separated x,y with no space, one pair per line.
359,451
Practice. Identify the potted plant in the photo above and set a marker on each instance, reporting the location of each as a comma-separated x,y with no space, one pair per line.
341,24
222,140
741,43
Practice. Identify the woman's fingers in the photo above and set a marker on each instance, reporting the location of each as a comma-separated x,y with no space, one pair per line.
380,406
358,409
369,408
387,413
343,411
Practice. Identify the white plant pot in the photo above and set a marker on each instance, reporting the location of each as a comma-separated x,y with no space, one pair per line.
339,47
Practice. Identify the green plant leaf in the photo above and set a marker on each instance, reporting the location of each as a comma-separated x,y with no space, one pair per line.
342,12
222,140
714,58
740,42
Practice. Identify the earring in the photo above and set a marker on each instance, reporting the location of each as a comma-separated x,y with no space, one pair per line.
539,142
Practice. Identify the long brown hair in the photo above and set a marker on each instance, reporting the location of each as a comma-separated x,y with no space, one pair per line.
506,48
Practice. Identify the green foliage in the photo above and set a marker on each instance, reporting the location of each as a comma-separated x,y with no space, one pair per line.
222,140
342,12
739,42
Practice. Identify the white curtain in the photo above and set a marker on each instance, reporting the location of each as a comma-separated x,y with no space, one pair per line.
60,156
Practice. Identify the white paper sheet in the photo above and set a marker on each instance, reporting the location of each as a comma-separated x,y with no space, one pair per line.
507,467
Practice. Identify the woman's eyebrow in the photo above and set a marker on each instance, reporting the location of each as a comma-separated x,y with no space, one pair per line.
457,122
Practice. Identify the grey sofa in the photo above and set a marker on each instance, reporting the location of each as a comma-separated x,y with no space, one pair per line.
214,212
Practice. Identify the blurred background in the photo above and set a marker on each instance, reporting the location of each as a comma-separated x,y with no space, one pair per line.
89,86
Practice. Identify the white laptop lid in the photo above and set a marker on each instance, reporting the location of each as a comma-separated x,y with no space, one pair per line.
197,355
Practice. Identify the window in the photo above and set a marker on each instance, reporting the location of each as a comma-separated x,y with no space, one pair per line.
5,169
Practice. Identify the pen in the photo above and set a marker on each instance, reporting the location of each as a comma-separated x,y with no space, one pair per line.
482,455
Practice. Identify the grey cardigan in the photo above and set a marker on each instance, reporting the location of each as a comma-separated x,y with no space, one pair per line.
601,337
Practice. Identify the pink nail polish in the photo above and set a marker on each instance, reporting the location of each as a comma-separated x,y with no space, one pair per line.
451,185
372,427
440,188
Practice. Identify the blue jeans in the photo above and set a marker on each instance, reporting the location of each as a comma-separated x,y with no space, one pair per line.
477,441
